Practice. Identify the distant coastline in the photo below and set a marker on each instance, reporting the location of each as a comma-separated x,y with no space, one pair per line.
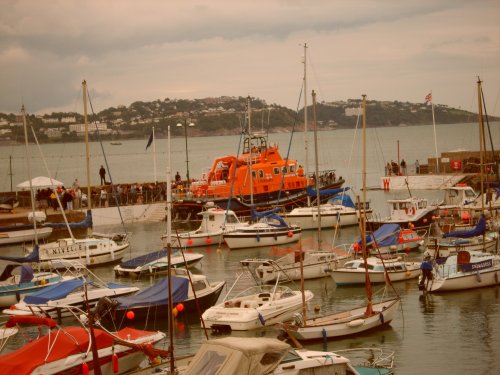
220,116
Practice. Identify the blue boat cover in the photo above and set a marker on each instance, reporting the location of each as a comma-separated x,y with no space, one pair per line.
26,273
279,219
386,235
477,231
256,215
157,294
33,257
343,200
146,258
325,192
54,292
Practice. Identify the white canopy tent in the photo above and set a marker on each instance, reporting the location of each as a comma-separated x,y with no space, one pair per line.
39,183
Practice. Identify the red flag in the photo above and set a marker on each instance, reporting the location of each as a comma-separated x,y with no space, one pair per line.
428,98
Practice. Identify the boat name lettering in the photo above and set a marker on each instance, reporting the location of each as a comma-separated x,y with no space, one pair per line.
477,266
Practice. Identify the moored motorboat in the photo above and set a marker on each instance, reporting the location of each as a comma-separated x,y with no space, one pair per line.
379,269
410,213
156,262
192,294
263,355
214,223
255,307
69,350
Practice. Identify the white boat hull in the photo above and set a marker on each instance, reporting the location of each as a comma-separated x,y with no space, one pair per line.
466,281
56,309
196,240
160,266
24,235
83,251
237,240
346,323
358,276
311,220
254,314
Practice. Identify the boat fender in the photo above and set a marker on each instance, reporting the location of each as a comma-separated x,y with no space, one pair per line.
355,323
115,363
323,333
257,237
261,318
85,368
18,296
496,277
478,276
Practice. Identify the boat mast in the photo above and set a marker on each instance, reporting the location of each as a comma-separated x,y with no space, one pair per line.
306,140
435,138
481,141
169,251
368,286
87,150
249,112
316,167
28,163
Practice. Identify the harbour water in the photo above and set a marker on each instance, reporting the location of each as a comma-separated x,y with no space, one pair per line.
338,149
456,333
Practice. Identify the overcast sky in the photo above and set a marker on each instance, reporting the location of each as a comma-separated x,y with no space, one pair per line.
146,50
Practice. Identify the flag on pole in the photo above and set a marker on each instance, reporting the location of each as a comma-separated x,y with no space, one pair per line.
150,140
428,98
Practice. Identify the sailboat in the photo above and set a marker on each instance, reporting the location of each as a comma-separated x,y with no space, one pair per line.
354,321
93,250
267,228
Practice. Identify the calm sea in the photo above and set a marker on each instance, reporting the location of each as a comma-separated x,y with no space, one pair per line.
457,333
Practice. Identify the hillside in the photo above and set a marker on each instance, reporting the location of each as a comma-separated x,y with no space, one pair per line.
223,115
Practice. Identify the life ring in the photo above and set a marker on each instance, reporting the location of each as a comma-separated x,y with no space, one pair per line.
410,212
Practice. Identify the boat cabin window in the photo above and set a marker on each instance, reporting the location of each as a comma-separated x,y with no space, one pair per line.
283,170
261,173
231,219
211,217
199,285
276,170
210,363
254,175
292,168
270,358
469,194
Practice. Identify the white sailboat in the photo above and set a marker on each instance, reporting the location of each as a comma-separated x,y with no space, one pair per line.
92,250
353,321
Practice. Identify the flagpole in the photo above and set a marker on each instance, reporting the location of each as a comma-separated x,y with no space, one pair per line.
154,155
435,137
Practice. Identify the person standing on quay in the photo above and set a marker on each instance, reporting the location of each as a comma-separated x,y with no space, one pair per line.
102,174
